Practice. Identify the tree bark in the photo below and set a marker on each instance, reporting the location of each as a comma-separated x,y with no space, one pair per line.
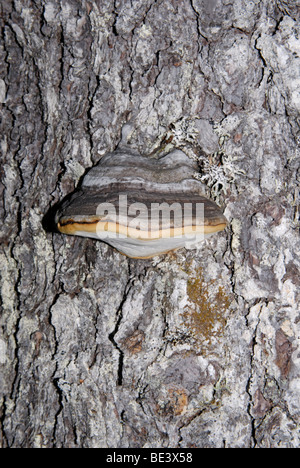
191,349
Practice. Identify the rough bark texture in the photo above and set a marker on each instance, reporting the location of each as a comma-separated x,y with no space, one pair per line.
193,349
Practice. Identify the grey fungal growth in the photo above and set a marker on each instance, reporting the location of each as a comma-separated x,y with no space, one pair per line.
141,206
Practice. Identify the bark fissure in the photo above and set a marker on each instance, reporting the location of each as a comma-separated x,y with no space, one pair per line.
111,336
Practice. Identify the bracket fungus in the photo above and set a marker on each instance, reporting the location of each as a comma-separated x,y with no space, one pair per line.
141,206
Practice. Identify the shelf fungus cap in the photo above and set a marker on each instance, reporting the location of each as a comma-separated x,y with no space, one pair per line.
141,206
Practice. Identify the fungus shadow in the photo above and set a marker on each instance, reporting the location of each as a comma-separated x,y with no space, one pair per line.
48,221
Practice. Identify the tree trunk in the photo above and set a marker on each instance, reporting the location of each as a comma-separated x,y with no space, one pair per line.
191,349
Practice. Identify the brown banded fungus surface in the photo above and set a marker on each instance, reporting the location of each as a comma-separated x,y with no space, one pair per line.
144,207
